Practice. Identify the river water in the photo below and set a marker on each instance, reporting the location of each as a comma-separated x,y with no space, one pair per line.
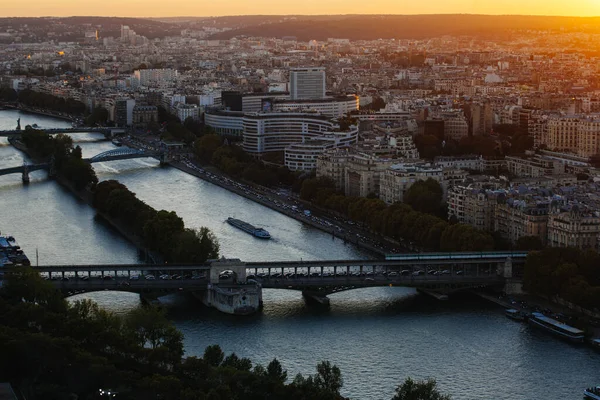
376,336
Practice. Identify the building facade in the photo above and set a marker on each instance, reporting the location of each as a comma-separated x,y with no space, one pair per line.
397,179
307,83
573,228
272,132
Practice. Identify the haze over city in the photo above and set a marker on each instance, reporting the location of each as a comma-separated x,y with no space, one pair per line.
160,8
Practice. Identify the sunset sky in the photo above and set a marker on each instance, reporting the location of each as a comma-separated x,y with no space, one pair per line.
163,8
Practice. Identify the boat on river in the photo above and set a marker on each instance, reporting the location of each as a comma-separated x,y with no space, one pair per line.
592,393
11,253
515,314
557,328
249,228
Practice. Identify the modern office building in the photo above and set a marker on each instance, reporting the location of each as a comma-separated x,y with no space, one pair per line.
124,112
226,123
275,131
333,107
307,83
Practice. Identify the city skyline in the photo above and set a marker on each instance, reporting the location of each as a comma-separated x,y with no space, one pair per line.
180,8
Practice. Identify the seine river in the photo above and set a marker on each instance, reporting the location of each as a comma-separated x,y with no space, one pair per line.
376,336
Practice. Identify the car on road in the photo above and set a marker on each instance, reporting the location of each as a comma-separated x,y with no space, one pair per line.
369,280
150,277
405,272
459,272
418,272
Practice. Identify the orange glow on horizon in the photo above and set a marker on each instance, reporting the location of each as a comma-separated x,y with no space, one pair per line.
173,8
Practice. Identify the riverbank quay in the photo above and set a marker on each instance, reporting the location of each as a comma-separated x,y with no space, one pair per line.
282,201
86,196
263,199
528,303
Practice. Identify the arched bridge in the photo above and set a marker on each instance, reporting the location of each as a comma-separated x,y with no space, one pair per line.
440,272
111,155
123,153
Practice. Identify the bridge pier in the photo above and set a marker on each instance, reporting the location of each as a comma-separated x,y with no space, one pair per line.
315,298
435,295
25,174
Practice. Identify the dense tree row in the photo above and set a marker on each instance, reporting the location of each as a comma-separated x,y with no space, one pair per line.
59,149
569,273
99,116
161,231
55,350
426,196
8,94
233,161
399,221
50,102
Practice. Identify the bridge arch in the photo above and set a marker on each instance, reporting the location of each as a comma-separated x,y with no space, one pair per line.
107,155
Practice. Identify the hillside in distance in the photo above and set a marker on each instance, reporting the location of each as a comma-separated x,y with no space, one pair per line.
372,27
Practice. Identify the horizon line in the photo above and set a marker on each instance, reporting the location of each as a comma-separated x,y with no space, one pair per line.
305,15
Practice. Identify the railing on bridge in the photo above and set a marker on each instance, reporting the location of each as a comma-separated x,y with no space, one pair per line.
121,153
515,255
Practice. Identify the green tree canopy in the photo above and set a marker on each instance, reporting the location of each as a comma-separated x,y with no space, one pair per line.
425,196
419,390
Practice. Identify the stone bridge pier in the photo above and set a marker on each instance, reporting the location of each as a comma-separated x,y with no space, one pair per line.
217,267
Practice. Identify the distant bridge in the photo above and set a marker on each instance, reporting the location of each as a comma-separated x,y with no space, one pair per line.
56,131
438,272
124,153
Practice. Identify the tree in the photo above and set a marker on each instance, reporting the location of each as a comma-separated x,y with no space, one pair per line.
151,329
213,355
419,390
79,172
529,243
276,372
98,116
205,147
329,377
425,196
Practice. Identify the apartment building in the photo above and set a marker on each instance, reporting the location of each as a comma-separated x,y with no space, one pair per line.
534,166
363,174
473,206
517,218
332,165
398,178
573,227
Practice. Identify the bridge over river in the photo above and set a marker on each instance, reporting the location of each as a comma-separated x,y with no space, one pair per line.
436,273
111,155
